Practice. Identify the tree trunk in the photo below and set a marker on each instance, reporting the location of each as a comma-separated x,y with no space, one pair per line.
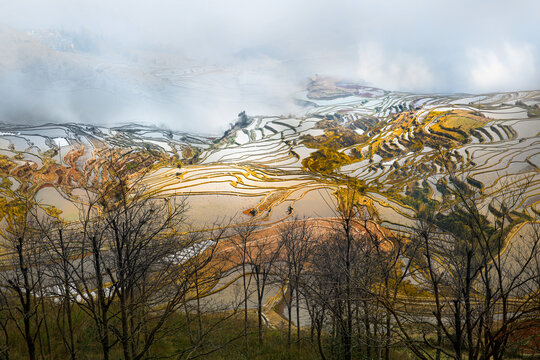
289,314
31,346
368,330
297,314
125,328
319,343
26,300
388,329
199,317
259,313
468,310
246,347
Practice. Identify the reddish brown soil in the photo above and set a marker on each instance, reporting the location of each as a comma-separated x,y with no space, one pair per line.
229,253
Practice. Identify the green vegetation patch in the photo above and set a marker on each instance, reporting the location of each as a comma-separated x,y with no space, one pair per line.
533,112
459,223
334,138
419,198
6,164
463,122
326,160
456,124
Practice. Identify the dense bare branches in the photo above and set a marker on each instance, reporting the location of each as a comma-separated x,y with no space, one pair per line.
297,241
479,282
257,258
456,288
132,250
126,263
22,277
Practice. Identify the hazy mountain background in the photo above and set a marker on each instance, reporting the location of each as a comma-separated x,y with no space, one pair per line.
193,66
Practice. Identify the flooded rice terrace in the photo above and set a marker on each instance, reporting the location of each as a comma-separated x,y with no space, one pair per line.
271,168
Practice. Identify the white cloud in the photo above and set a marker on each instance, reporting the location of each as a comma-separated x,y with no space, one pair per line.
265,49
512,66
393,70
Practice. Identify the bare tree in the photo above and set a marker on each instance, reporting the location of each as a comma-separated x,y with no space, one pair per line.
135,266
329,286
351,279
241,242
23,275
297,241
259,255
59,252
479,282
4,322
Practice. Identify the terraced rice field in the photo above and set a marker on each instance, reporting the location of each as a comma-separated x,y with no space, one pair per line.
275,167
267,169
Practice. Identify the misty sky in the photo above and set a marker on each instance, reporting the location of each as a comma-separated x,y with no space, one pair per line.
268,48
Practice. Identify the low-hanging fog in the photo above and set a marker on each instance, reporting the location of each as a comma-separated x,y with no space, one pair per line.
193,65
